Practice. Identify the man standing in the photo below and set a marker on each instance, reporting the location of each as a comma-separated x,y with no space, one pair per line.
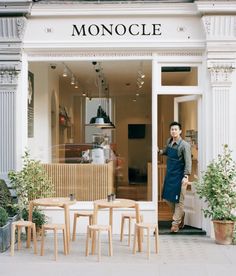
179,163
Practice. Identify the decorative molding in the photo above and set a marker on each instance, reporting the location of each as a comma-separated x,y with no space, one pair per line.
220,27
12,28
221,72
9,74
21,24
88,54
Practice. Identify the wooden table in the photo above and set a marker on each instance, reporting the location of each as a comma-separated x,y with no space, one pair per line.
118,203
62,202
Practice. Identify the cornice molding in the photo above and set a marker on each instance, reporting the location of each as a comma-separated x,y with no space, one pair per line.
216,7
221,72
81,9
15,6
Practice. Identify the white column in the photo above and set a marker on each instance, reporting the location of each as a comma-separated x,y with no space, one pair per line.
220,77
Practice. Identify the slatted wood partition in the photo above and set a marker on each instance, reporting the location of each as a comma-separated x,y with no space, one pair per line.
87,182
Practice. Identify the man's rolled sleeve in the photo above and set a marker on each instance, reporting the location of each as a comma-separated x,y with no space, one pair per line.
187,159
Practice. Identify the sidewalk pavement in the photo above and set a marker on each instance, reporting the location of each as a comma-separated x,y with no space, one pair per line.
178,256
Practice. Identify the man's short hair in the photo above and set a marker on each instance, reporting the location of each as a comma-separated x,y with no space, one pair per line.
176,124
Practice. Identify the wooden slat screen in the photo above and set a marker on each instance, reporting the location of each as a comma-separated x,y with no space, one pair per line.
87,182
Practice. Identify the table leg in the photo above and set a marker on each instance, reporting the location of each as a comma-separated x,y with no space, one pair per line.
67,226
111,217
30,218
139,234
95,219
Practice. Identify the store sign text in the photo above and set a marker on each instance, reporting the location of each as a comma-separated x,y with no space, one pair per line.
118,29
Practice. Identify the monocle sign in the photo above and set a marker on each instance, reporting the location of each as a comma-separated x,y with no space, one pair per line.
108,30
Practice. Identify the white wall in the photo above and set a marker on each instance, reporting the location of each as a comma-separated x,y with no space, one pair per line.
44,83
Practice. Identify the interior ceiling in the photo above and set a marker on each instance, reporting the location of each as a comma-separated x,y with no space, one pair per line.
121,77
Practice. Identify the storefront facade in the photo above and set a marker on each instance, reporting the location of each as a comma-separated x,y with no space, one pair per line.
183,35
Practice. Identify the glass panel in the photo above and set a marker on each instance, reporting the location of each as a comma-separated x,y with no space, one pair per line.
91,161
179,76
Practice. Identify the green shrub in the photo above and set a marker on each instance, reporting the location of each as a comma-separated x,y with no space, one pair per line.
5,195
38,217
31,182
3,216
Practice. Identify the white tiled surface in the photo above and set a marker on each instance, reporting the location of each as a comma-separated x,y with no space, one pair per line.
178,255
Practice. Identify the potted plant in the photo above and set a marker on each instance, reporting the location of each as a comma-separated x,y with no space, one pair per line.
5,230
30,183
217,187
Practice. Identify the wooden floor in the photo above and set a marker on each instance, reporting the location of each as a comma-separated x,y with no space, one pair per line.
139,192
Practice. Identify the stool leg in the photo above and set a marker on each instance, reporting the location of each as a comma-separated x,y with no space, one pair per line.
156,239
18,237
110,242
34,238
135,238
42,241
122,228
148,242
13,229
90,223
87,241
99,245
55,244
74,227
129,231
64,241
28,237
93,242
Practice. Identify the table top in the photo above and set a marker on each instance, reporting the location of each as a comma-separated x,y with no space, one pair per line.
53,201
117,203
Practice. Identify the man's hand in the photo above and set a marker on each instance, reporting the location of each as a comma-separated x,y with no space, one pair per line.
185,180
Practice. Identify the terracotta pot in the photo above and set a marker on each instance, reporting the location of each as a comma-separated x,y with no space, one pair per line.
224,230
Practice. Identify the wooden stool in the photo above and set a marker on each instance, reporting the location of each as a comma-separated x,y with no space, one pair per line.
91,231
88,214
54,227
19,224
129,217
148,227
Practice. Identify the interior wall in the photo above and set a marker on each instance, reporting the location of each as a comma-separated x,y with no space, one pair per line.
40,144
129,112
165,117
188,116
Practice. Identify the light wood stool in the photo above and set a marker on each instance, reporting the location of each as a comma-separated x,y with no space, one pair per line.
88,214
148,227
91,231
54,227
129,217
19,224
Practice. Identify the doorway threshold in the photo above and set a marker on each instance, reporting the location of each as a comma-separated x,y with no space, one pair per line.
164,229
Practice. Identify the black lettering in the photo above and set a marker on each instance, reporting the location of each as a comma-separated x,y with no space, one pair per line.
95,28
144,30
106,29
156,29
131,27
78,32
120,25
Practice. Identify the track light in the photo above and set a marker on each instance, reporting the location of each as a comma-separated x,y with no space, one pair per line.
65,72
72,82
141,74
76,84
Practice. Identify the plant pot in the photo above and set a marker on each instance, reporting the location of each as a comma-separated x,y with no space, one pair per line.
224,230
5,237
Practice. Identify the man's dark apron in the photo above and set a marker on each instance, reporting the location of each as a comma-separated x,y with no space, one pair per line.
174,175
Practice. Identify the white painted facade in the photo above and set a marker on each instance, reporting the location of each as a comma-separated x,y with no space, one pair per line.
191,35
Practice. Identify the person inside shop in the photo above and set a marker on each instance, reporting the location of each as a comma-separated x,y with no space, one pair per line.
179,164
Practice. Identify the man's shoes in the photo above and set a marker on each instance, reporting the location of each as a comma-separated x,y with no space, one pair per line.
181,225
174,228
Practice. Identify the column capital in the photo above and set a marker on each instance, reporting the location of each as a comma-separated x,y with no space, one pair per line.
9,74
220,72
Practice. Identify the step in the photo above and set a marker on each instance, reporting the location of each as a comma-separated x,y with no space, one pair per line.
164,229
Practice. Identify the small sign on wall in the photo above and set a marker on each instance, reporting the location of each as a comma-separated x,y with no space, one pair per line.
30,104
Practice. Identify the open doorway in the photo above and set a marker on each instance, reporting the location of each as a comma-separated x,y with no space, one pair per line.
183,109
